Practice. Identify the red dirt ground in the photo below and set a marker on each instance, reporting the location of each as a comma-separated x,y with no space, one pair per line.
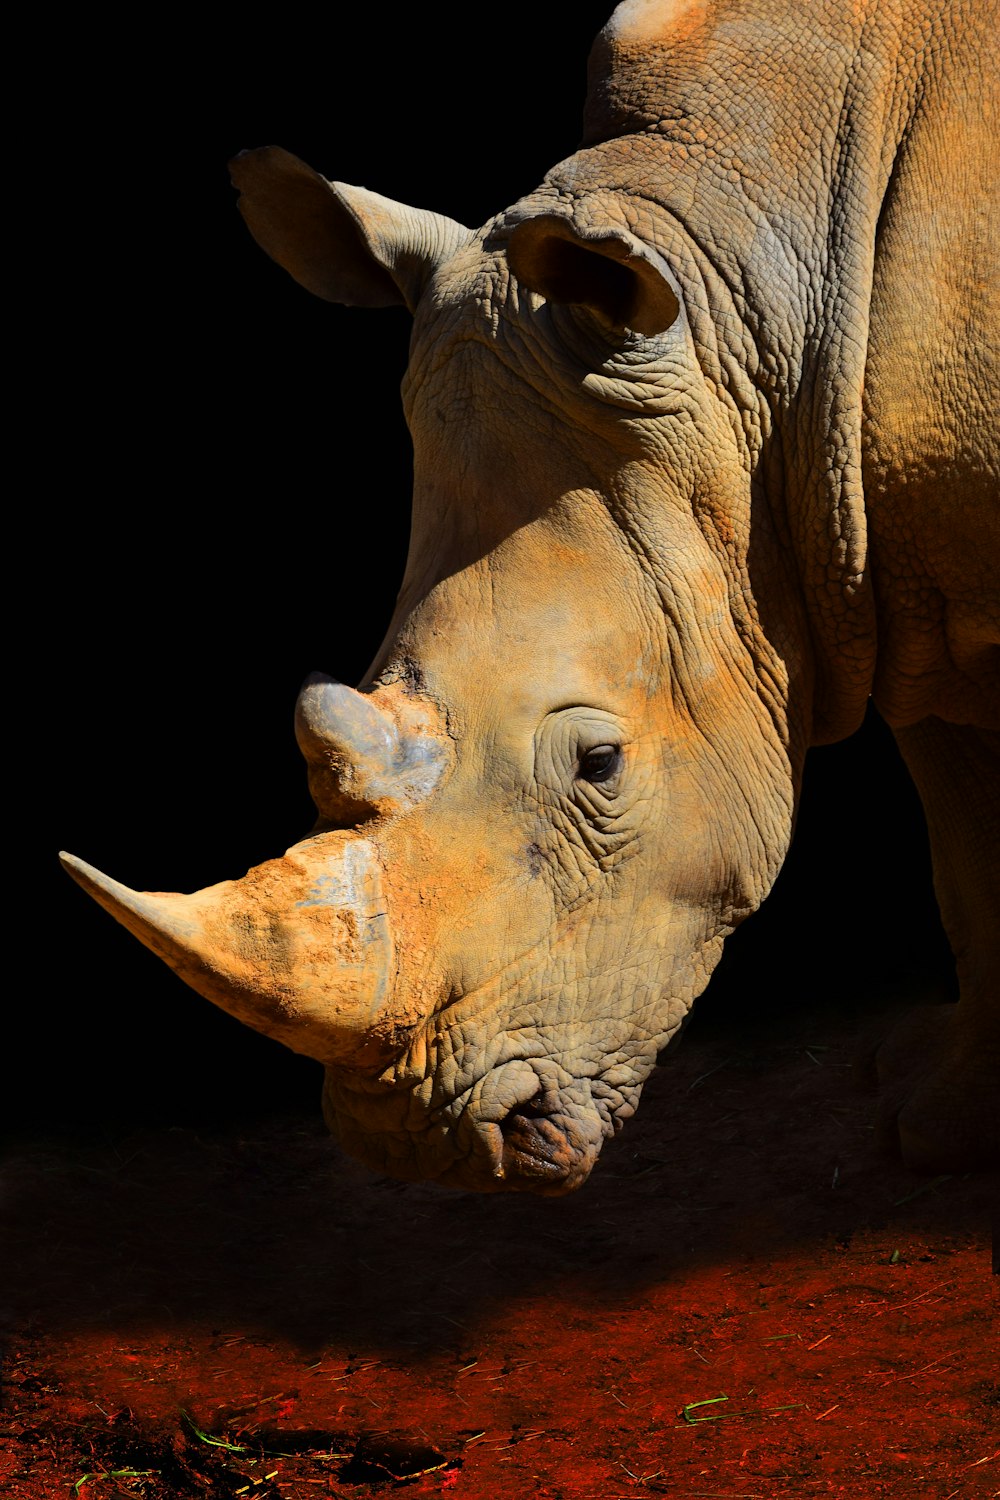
746,1302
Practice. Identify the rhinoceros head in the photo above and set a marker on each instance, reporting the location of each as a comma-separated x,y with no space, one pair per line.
567,776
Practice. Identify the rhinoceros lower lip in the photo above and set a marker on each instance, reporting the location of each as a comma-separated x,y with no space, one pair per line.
538,1150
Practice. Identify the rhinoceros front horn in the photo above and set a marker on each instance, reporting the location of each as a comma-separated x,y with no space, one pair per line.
299,949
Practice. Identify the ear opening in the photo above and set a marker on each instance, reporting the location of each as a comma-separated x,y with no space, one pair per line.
609,271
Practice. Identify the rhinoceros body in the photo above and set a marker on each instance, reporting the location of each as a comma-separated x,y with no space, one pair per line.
706,455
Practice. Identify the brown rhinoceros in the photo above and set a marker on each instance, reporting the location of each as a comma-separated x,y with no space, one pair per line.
706,455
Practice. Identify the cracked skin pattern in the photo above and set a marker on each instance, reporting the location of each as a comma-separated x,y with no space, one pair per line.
705,455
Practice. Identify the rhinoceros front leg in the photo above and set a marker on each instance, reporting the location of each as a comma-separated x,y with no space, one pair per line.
940,1068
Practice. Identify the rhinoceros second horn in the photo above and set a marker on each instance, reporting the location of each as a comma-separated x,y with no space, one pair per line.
330,715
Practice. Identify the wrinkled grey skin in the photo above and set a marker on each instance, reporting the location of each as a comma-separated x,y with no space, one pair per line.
684,499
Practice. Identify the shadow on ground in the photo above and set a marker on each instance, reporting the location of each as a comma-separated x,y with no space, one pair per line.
748,1142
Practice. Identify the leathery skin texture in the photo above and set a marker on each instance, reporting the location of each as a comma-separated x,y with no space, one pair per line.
705,456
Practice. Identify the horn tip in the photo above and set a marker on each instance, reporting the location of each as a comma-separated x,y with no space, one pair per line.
78,868
151,916
93,881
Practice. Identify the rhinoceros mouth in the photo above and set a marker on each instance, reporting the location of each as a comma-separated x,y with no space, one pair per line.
544,1153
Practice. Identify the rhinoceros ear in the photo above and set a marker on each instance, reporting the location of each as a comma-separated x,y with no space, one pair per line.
604,268
341,242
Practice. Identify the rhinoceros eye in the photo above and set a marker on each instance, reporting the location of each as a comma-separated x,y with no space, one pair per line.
601,764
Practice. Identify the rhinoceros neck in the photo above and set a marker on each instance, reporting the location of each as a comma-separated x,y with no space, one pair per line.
771,143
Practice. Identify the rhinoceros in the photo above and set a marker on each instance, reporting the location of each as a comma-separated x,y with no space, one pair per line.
705,456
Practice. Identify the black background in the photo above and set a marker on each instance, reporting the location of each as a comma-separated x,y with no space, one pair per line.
222,456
